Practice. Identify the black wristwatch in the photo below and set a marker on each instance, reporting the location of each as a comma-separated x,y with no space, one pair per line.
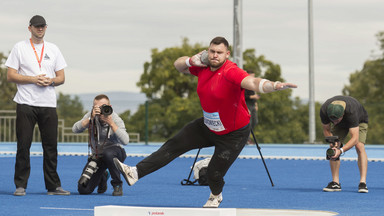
53,83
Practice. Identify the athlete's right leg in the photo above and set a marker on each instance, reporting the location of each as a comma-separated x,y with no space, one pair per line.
192,136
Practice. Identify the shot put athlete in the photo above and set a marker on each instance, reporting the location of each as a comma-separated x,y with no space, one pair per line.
225,121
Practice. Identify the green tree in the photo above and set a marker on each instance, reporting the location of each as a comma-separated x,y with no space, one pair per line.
277,119
69,109
160,78
172,97
366,85
8,89
302,117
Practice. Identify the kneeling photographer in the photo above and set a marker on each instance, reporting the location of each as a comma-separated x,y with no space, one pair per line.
107,134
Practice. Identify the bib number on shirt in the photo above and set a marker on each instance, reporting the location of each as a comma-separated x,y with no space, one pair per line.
213,122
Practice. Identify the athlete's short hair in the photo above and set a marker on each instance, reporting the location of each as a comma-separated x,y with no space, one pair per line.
220,40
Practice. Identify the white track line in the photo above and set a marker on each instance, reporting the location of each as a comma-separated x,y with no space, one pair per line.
70,209
206,156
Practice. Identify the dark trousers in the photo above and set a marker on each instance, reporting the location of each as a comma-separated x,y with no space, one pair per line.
254,119
105,161
193,136
26,119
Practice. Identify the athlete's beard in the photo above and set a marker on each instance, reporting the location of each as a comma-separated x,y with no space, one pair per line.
216,65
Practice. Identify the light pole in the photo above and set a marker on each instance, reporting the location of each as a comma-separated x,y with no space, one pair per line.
237,33
312,120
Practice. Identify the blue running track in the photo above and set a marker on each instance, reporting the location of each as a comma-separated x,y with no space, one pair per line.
299,173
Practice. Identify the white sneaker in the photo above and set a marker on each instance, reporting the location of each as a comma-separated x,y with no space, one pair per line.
129,173
19,191
214,201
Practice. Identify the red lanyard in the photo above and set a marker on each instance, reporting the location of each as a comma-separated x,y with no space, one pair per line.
37,57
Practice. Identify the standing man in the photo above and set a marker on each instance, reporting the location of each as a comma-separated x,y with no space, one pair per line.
107,134
341,115
225,124
37,67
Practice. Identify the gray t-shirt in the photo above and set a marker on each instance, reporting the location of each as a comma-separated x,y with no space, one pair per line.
102,136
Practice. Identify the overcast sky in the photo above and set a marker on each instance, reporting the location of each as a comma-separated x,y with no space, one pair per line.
106,43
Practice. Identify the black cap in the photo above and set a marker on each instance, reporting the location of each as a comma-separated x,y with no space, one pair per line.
37,20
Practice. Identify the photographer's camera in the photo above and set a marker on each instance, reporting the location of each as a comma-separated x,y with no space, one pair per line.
330,151
106,109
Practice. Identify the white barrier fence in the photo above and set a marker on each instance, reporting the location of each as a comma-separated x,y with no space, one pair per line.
65,134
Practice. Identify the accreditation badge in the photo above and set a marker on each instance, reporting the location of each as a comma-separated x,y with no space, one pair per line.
213,122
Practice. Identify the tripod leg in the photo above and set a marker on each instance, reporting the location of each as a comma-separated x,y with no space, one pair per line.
258,148
187,181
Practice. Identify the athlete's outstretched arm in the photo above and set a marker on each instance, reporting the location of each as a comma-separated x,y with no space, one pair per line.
263,85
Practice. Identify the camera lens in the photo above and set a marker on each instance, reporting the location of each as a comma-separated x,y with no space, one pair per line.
106,109
88,172
330,152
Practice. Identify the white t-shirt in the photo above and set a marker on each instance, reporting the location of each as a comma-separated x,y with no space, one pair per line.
23,59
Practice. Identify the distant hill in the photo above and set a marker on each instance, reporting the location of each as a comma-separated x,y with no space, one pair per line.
120,101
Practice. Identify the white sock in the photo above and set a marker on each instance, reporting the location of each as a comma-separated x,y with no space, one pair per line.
216,196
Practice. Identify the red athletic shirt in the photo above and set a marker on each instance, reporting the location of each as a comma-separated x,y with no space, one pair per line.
222,97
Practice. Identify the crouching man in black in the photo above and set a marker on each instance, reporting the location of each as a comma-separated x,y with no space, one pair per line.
107,134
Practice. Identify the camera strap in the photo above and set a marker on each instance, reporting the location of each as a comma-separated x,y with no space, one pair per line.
89,136
93,131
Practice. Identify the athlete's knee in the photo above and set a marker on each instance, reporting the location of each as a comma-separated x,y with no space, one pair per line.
225,155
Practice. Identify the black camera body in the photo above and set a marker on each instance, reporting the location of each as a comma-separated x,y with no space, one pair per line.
90,168
330,151
106,109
